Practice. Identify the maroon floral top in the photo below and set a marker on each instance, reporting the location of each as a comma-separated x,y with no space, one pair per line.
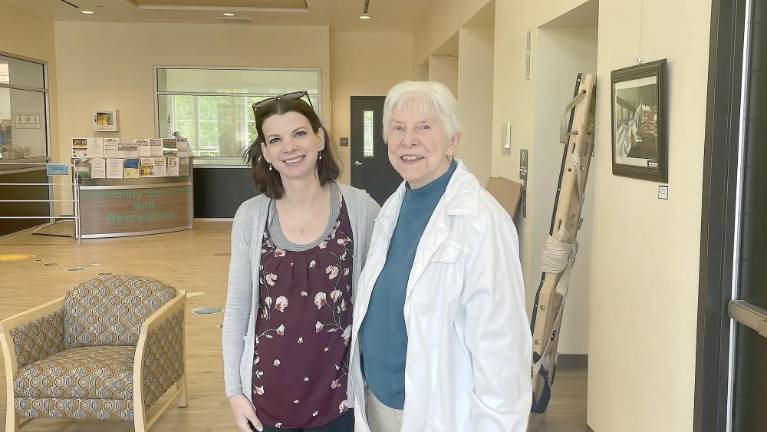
303,331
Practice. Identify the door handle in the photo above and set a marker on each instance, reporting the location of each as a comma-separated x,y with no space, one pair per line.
358,163
749,315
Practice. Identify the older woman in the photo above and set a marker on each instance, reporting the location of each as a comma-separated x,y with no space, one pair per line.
440,333
297,250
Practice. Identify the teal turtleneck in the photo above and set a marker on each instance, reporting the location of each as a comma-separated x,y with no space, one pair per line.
383,337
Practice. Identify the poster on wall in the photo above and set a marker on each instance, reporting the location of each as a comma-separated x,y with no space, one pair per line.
639,121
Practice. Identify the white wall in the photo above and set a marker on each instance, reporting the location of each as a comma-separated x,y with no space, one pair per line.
364,64
562,53
475,98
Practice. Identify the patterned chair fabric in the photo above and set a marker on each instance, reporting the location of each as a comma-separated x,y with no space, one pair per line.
78,409
110,309
79,373
163,357
38,339
77,363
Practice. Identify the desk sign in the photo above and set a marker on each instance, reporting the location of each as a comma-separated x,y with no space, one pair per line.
57,169
132,211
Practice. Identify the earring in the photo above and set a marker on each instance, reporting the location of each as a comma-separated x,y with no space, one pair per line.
449,157
270,166
320,156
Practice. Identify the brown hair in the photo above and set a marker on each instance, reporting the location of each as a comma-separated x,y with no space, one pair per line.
268,182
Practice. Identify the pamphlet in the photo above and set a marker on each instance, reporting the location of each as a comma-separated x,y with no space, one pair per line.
111,148
143,147
172,169
145,167
128,150
155,147
115,168
182,145
98,168
131,168
169,147
95,147
82,168
159,169
79,147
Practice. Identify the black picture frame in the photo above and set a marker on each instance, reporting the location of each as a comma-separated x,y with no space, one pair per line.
638,113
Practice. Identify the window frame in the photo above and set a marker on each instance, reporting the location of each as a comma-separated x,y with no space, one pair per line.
224,162
47,109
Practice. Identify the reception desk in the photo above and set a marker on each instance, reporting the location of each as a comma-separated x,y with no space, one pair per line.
131,207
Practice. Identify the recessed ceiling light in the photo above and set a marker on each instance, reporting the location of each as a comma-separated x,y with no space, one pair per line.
87,12
365,16
229,14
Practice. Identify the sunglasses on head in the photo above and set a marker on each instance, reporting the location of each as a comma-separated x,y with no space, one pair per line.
287,96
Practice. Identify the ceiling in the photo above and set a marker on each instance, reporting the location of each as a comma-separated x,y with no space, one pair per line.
341,15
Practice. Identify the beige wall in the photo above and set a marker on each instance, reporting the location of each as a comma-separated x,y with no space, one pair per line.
475,97
445,70
110,65
364,64
644,259
444,18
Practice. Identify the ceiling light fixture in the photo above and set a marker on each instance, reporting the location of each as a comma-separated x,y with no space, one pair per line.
87,12
365,7
228,14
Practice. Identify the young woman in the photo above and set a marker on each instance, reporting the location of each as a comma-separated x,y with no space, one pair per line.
297,251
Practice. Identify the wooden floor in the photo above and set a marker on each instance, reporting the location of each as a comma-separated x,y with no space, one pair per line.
195,260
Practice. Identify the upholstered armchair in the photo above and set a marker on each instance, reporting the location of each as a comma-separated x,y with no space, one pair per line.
107,350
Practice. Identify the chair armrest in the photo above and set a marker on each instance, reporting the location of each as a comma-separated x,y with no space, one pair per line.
32,335
160,355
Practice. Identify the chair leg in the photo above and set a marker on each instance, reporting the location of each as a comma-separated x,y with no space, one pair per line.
11,421
181,387
139,417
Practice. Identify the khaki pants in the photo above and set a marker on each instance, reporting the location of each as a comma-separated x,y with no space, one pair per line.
382,418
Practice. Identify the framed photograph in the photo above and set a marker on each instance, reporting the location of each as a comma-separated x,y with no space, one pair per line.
639,121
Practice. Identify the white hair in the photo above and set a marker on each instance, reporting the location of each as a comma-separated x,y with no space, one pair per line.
430,97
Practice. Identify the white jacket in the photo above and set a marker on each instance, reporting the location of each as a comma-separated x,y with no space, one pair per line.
469,343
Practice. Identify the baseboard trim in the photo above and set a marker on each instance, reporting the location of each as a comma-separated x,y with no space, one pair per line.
573,362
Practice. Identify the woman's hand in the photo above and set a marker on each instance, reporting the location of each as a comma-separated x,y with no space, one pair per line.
243,412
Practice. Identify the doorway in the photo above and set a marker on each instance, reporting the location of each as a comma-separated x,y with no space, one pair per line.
731,375
371,169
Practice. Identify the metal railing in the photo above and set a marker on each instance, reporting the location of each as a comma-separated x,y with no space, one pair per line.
74,184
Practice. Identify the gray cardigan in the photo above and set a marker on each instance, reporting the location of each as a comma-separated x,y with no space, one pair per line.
242,294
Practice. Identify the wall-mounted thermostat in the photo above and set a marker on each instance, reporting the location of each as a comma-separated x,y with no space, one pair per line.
663,192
